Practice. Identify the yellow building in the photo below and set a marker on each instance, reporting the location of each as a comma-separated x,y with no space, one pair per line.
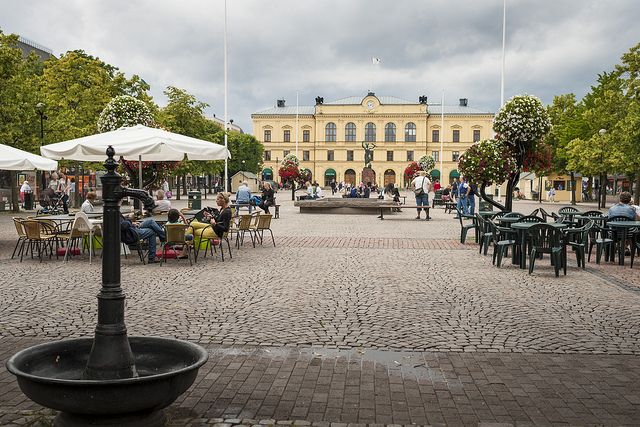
330,136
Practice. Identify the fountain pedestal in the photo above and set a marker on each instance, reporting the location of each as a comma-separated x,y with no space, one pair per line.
109,380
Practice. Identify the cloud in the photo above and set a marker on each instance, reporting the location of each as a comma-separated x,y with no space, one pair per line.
324,47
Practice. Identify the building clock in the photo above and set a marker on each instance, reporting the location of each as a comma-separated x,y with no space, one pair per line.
370,105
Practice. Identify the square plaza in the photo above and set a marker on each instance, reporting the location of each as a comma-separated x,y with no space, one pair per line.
353,320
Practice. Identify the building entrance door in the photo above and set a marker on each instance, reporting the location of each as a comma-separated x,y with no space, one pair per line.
350,177
389,177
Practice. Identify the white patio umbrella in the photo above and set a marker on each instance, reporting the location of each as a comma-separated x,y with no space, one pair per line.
136,143
18,160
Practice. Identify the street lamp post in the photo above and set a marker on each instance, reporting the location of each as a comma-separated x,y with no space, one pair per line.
602,197
40,106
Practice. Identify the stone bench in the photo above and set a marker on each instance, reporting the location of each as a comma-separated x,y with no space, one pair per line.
352,206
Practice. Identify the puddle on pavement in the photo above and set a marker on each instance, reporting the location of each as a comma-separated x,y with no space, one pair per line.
397,363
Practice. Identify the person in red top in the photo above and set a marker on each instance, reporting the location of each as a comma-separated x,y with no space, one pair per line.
436,185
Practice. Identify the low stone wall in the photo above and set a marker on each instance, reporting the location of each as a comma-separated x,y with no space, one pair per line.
336,205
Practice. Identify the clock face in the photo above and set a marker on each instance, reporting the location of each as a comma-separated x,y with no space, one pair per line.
370,104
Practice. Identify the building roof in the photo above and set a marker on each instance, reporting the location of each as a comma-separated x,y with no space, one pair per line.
433,109
246,174
27,46
357,100
289,110
218,120
455,109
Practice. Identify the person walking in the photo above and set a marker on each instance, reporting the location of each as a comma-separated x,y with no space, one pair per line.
421,186
454,190
463,190
471,199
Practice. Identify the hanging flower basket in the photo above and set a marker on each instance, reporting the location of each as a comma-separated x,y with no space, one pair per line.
427,163
487,162
289,171
412,170
538,161
523,121
290,159
125,111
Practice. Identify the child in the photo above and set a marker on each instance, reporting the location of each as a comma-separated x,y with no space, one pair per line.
174,216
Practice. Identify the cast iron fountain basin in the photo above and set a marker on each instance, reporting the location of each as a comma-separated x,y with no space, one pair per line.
51,374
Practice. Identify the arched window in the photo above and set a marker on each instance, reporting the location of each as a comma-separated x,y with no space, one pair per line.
350,132
370,132
390,132
330,132
410,132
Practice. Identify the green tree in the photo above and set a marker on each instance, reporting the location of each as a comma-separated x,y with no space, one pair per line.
19,121
77,87
629,70
595,154
567,124
246,153
184,114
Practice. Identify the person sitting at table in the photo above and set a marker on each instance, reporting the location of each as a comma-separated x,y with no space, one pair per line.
624,208
214,226
174,216
87,205
446,193
243,196
132,232
162,204
268,198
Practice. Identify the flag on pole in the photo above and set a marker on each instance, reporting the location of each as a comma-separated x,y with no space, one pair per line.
375,61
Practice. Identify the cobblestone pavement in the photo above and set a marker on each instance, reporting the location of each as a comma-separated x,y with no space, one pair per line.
350,319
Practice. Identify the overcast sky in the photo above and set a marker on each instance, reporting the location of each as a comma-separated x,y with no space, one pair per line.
278,47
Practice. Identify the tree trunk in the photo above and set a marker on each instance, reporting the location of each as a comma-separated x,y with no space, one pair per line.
603,191
210,191
15,193
177,187
511,183
636,193
293,190
540,190
184,184
573,188
483,195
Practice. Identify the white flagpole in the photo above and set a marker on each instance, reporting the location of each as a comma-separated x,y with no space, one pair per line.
297,124
442,137
226,121
504,37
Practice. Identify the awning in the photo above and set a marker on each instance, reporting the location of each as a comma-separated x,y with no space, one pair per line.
435,174
454,174
15,159
330,172
267,171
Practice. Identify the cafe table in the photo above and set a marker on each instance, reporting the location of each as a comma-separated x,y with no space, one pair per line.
487,214
624,226
521,240
506,222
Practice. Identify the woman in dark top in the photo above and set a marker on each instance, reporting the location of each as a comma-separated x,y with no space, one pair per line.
268,198
211,226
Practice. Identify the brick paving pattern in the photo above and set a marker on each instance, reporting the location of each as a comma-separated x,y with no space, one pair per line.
353,320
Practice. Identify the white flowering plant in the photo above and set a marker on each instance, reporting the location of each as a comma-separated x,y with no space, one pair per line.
427,163
125,111
522,121
488,161
290,159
